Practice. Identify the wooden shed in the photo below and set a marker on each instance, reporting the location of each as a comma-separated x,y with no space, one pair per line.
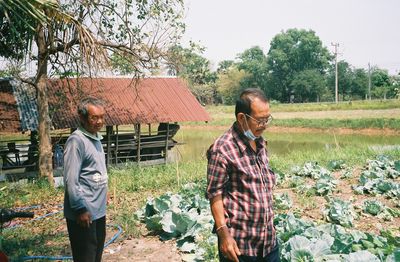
142,115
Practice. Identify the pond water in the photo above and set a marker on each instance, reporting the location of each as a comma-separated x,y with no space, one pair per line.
196,142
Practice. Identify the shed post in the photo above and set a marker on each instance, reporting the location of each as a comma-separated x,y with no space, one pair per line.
116,144
138,133
166,143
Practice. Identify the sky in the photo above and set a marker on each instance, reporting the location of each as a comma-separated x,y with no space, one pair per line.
367,31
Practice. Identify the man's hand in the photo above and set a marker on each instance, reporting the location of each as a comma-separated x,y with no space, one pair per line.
84,219
227,245
108,198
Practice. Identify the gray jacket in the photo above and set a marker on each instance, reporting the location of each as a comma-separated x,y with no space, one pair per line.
85,176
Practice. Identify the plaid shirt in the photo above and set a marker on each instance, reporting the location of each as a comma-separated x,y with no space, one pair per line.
245,181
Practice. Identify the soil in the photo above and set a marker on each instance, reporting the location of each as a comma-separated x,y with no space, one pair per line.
148,249
311,207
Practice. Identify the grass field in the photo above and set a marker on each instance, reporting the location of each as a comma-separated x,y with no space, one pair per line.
354,105
130,186
358,115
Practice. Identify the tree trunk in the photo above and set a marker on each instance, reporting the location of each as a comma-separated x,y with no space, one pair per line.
45,147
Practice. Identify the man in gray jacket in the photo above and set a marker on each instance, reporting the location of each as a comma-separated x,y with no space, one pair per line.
85,180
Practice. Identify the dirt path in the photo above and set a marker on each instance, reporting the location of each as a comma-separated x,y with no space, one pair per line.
340,114
148,249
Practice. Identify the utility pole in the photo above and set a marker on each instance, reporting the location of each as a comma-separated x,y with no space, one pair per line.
336,45
369,81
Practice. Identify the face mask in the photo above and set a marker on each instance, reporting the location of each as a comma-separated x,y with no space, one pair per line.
249,134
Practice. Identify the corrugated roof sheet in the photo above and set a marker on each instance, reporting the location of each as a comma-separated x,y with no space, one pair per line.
128,101
9,117
25,97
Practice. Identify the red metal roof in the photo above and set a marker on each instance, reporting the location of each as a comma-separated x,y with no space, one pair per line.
128,101
9,117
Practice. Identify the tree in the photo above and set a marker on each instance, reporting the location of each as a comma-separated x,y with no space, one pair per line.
395,79
121,65
229,84
290,53
5,73
205,94
189,64
79,36
381,83
224,66
359,83
254,62
380,77
345,79
308,85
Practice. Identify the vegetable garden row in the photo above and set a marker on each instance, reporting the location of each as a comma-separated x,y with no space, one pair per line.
332,236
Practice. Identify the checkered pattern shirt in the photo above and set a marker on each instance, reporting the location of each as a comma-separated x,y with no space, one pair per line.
243,178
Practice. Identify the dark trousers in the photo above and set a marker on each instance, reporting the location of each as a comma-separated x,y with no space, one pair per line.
87,243
273,256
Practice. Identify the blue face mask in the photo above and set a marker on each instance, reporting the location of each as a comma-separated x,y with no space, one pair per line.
249,134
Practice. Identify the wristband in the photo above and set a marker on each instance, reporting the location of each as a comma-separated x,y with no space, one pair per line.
218,228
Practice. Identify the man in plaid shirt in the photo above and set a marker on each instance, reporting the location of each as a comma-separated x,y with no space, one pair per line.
240,184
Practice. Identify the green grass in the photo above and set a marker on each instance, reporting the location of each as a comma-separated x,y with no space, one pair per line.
359,123
26,193
130,185
354,105
352,155
224,115
129,188
42,237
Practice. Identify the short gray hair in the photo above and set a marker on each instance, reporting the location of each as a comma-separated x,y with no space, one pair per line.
243,104
85,102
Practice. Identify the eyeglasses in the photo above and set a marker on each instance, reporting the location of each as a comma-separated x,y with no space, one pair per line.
261,122
96,118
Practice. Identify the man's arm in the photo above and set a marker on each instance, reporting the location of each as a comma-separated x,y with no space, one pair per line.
227,244
72,169
217,178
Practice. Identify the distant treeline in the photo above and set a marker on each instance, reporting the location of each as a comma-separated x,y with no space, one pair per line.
297,68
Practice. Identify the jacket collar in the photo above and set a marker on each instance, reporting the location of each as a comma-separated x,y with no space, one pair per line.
98,137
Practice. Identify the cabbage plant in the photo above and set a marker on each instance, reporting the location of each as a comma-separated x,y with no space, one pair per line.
373,207
340,212
282,201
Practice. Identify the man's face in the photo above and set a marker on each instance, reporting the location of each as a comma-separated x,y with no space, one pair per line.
259,115
95,120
